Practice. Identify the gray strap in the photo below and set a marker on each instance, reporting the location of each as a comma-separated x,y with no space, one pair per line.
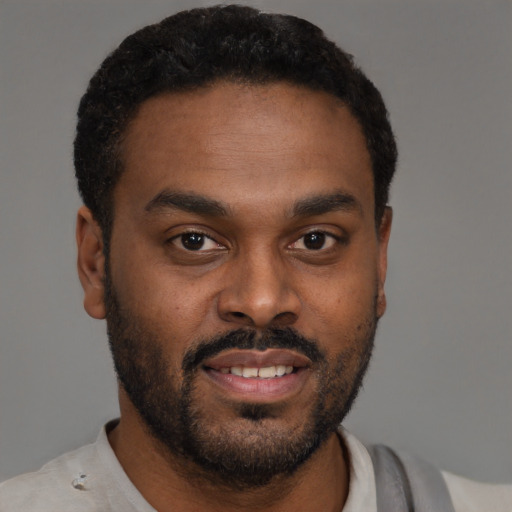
406,483
392,485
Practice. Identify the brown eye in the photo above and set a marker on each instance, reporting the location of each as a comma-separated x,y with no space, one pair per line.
193,241
314,241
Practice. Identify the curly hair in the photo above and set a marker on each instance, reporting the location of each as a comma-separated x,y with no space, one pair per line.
195,48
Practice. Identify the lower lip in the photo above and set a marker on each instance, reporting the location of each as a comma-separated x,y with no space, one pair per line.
259,390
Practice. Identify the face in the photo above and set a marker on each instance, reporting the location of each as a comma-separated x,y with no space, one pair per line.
245,274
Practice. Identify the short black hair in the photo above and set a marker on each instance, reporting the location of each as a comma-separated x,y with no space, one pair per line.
198,47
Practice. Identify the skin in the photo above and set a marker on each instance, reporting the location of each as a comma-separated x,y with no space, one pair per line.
259,151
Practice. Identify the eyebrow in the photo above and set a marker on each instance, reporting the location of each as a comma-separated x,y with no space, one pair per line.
191,203
201,205
325,203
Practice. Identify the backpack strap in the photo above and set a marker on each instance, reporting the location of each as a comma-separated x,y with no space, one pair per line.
405,483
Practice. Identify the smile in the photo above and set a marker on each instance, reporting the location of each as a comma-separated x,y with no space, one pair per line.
268,372
256,376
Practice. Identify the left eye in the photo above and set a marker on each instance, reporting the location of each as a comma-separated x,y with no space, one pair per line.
195,242
315,241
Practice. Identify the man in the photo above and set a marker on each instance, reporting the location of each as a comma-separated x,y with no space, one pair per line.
235,169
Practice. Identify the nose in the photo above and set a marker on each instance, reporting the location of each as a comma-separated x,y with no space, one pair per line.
259,293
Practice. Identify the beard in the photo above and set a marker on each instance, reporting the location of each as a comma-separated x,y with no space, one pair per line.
250,452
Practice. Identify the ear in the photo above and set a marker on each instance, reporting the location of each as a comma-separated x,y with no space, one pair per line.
91,262
383,234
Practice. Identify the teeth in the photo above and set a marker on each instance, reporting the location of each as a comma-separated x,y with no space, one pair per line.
237,370
268,372
250,372
280,370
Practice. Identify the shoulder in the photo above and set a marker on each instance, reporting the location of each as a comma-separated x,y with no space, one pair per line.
89,479
470,496
466,495
58,485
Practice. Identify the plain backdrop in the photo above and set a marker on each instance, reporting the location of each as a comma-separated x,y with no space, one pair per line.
440,384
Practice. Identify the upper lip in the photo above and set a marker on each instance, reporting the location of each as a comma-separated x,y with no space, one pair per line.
257,359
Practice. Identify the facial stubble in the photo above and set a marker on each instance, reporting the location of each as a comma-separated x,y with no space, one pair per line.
250,451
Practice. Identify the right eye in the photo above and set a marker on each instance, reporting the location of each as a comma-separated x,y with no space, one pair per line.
195,241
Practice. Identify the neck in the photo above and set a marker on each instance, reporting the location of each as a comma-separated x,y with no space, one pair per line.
169,483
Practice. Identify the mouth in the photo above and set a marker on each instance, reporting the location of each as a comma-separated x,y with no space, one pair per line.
253,372
254,376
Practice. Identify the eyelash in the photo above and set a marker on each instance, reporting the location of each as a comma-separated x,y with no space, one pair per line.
193,232
325,237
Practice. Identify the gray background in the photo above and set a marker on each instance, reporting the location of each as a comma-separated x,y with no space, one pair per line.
440,383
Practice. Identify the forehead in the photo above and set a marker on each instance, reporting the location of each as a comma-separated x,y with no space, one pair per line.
267,140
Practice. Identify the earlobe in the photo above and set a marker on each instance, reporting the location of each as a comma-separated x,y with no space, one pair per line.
91,262
383,234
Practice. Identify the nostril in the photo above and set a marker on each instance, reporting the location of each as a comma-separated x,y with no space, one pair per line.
239,318
285,319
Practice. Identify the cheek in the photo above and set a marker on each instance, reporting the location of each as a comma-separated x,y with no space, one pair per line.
171,298
154,292
168,301
342,306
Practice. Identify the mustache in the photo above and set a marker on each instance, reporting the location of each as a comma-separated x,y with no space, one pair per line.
249,339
